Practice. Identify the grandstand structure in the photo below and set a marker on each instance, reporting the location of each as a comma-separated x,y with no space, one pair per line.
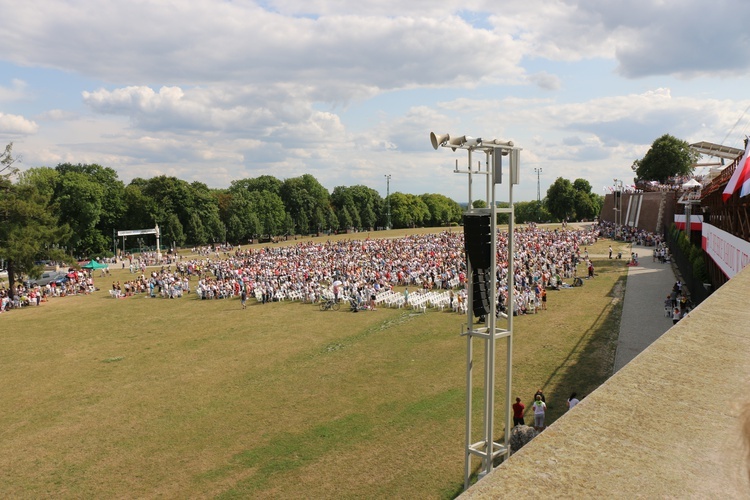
648,210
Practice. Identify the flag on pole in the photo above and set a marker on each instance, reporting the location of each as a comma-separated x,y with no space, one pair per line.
746,185
740,177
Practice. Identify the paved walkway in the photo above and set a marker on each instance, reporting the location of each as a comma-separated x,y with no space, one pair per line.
643,317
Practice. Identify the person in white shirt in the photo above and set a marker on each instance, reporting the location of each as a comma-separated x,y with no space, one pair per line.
572,401
540,407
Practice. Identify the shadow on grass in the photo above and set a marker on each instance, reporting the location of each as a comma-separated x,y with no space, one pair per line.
591,360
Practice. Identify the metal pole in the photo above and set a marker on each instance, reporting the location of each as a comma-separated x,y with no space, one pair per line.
491,341
509,354
388,200
469,348
470,205
469,372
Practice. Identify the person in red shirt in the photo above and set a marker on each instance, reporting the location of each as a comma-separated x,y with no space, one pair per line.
518,409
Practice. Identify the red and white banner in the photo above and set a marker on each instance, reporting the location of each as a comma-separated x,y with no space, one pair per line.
696,221
729,252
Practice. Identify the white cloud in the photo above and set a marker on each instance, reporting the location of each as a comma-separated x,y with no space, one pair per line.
16,125
545,80
206,42
58,115
15,92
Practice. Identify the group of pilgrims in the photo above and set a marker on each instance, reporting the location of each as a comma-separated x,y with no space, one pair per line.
311,270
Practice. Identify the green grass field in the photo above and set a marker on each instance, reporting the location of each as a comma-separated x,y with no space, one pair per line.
185,398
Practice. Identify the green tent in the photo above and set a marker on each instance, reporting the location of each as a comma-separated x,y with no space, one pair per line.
94,265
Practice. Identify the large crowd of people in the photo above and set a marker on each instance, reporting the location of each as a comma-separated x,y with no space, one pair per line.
363,268
76,283
630,234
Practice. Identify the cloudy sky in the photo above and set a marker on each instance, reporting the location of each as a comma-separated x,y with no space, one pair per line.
215,91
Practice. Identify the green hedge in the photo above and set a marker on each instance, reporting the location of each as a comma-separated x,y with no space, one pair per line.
699,269
692,253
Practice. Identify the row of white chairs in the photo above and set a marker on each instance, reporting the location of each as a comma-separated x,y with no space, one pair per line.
417,300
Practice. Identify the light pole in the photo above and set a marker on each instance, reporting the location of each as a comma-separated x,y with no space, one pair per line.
388,200
481,247
538,190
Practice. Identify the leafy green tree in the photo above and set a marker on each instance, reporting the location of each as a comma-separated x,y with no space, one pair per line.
370,206
29,228
140,209
347,210
667,157
267,183
206,208
442,210
91,197
45,179
531,211
112,201
241,220
331,220
196,231
288,225
560,199
195,206
319,199
235,229
172,232
270,212
171,196
479,204
80,199
344,220
6,163
408,210
582,185
305,199
587,205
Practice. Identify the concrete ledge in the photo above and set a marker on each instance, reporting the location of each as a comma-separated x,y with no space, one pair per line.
665,425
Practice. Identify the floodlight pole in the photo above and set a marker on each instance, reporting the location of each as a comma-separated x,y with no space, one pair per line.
487,449
388,200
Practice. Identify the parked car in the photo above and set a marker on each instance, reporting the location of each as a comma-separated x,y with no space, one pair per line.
46,278
61,280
